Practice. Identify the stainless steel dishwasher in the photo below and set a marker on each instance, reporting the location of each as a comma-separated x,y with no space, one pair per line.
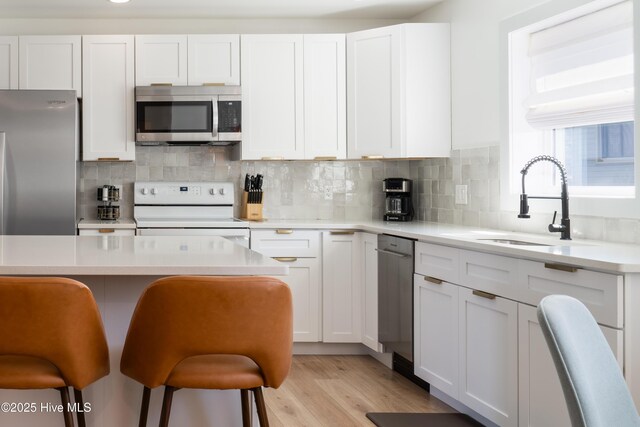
395,300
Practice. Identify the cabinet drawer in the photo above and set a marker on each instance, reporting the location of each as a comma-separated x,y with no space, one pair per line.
107,232
602,293
286,242
441,262
490,273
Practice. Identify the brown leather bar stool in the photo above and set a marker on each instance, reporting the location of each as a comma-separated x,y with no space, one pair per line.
51,336
210,333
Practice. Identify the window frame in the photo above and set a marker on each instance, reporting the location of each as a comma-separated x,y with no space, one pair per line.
614,205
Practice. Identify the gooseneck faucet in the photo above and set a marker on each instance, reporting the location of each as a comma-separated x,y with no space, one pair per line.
564,228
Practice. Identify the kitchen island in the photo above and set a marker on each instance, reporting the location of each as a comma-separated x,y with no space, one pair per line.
117,269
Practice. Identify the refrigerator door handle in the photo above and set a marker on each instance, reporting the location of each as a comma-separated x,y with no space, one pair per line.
3,136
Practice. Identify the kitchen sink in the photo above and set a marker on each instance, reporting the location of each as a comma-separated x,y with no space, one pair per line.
514,242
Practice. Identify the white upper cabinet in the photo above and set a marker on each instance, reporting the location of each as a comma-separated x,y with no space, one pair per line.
398,92
272,97
8,62
50,62
192,60
108,81
325,96
161,59
213,59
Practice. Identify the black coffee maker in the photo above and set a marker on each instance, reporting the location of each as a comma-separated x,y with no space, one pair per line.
398,205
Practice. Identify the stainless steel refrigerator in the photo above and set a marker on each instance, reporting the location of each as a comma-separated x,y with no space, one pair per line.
38,158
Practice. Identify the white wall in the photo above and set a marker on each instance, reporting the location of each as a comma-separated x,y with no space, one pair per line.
475,69
186,26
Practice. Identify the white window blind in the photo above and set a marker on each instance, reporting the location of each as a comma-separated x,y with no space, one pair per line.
582,70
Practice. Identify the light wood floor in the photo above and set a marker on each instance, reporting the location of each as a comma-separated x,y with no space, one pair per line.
340,390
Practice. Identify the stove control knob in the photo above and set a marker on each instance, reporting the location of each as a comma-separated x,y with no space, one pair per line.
222,192
212,191
144,191
154,191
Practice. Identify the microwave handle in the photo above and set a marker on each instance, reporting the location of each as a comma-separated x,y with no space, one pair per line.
215,116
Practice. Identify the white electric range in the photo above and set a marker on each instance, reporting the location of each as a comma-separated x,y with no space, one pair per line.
188,209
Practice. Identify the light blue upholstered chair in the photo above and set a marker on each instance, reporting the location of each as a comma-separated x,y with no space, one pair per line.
593,385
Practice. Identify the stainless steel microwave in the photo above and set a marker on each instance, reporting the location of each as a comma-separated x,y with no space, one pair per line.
188,115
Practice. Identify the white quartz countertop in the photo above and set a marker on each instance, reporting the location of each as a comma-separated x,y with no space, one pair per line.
131,255
592,254
117,224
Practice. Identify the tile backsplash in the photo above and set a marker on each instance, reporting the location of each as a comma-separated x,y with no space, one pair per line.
345,190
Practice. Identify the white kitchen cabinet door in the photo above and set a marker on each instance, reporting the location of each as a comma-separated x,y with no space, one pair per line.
373,85
272,97
435,330
213,59
541,398
325,96
108,81
489,356
161,59
50,62
8,62
341,287
304,281
398,92
369,274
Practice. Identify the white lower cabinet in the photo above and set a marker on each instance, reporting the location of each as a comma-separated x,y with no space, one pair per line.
369,274
489,356
304,282
341,287
541,401
435,328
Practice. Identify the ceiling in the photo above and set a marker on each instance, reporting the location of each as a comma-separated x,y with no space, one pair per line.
353,9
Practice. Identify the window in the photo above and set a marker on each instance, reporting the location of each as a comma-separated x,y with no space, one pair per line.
571,95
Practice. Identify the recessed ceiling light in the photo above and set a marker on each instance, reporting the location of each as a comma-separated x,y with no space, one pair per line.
119,1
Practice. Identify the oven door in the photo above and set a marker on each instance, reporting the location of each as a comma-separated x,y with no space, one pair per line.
236,235
176,118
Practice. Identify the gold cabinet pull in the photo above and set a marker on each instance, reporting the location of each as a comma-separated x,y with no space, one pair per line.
108,159
561,267
212,84
285,259
273,158
486,295
341,232
284,231
321,158
373,157
106,230
432,280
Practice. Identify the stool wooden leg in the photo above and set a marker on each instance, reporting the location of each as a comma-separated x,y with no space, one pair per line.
260,406
77,397
246,408
64,396
144,409
166,405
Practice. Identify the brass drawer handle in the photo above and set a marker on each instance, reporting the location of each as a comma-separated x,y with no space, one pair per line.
560,267
273,158
285,259
321,158
212,84
432,280
283,231
373,157
486,295
106,230
341,232
108,159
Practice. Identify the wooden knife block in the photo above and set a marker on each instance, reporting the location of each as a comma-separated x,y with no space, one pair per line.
251,211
